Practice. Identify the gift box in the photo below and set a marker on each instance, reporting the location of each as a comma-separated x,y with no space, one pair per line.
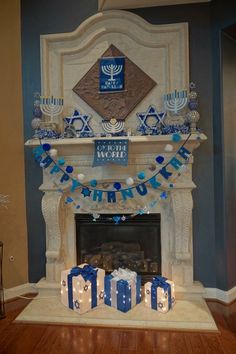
160,294
82,288
122,289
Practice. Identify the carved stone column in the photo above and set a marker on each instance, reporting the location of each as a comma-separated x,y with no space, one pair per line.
182,205
51,210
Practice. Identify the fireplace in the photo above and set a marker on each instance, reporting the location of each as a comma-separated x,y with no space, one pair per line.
71,55
133,244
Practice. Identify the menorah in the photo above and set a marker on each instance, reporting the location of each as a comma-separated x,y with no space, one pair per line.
112,70
175,101
51,106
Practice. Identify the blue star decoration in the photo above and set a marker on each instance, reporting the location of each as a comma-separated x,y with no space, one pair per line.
81,123
146,120
86,192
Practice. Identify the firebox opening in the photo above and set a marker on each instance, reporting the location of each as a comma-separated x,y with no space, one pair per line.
134,243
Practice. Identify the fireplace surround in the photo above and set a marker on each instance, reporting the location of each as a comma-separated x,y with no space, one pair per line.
175,212
161,51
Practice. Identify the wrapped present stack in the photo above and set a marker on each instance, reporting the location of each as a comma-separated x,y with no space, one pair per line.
82,288
160,294
122,289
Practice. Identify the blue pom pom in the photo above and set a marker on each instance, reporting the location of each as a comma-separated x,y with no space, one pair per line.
160,159
93,183
69,169
176,137
117,185
141,175
46,147
61,161
171,185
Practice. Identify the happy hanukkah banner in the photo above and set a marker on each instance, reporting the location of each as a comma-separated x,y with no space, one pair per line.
111,151
111,76
65,179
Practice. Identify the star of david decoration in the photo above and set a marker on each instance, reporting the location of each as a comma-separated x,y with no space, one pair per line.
86,192
148,292
160,305
63,283
101,295
80,122
150,121
86,288
114,104
77,304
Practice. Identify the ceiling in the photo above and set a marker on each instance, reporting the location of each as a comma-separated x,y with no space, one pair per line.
128,4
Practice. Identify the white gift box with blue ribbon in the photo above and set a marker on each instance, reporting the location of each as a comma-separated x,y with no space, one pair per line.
122,289
160,294
82,288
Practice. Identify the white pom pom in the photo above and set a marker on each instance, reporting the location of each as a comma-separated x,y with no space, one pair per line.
168,148
53,152
129,181
80,177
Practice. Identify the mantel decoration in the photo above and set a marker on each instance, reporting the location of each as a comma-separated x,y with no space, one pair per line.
70,183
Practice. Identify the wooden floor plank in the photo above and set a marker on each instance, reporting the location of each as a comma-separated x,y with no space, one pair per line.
18,338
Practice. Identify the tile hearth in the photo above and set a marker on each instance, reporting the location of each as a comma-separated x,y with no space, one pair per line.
186,315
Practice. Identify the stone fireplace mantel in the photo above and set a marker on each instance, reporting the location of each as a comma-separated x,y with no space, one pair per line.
176,211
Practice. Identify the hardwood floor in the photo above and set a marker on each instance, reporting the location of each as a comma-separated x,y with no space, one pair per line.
63,339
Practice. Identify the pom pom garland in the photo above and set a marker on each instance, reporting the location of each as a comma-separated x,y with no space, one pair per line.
160,159
80,177
46,147
129,181
93,183
53,153
169,148
176,137
117,185
69,169
141,175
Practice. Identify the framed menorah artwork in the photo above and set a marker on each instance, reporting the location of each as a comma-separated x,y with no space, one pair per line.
111,75
114,85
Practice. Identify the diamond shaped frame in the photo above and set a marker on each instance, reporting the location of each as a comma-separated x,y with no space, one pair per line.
115,104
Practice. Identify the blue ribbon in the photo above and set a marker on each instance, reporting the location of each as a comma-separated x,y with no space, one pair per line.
159,281
89,274
124,293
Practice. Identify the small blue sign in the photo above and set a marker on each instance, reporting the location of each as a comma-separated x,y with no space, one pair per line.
111,151
111,76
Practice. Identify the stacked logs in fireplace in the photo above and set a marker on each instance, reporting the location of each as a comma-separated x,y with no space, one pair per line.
112,255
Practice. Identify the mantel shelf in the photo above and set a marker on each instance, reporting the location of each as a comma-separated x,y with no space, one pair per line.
161,139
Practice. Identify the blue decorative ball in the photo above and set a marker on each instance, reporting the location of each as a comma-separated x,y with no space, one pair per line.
141,175
193,105
160,159
61,161
46,147
69,169
176,137
171,185
117,185
93,183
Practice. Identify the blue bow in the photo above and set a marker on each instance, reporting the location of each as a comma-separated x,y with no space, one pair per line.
159,281
88,273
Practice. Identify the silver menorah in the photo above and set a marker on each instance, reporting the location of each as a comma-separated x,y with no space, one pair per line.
175,101
51,106
111,70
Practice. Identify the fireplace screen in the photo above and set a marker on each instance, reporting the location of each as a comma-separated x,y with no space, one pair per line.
133,244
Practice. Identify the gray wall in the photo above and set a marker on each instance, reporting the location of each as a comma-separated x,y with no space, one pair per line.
229,151
41,17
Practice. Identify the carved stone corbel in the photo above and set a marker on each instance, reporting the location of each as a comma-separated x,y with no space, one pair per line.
51,212
182,205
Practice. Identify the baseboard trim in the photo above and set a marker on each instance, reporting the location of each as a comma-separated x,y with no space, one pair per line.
27,288
221,295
